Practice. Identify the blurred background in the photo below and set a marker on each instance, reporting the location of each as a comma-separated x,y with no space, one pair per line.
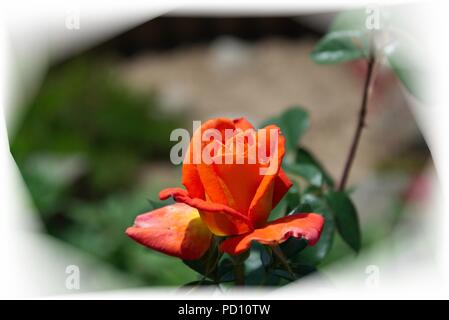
93,143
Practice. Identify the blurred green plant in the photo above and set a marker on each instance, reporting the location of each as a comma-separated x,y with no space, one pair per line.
81,146
83,110
352,37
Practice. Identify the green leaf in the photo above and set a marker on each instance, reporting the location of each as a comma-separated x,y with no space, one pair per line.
226,270
280,210
288,205
265,256
206,265
346,218
403,51
293,246
307,171
314,255
341,46
293,197
309,168
293,123
305,158
302,208
198,266
299,270
302,270
261,277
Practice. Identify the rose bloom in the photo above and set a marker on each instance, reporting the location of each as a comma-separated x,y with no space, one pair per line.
226,199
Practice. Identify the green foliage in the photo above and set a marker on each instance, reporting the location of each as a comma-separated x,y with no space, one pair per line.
313,256
293,122
293,246
98,229
341,46
292,198
346,40
207,265
309,168
349,39
80,110
346,218
81,145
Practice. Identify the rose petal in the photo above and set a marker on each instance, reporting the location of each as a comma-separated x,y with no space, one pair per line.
268,193
176,230
191,178
199,178
221,219
242,123
239,179
300,225
281,185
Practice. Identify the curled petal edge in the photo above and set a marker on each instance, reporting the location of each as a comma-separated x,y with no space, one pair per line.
299,225
221,219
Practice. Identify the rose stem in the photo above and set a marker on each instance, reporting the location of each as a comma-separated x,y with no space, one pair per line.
278,252
360,124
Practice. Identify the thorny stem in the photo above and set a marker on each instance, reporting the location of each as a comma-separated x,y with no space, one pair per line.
360,123
278,252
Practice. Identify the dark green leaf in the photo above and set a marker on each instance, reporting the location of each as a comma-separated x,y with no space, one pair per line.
307,171
226,270
289,204
315,254
274,120
302,270
341,46
261,277
197,265
293,246
266,257
346,218
304,208
305,158
280,210
293,123
293,197
206,264
284,274
299,270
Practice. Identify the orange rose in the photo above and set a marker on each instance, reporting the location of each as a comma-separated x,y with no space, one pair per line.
228,196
